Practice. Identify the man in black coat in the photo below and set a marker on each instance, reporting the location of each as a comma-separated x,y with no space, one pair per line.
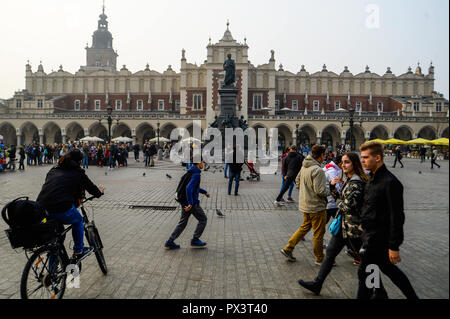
235,171
382,219
292,165
59,196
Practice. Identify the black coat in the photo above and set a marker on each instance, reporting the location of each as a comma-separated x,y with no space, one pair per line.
292,164
382,215
64,186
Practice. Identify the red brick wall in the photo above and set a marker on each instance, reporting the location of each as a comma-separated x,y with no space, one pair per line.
190,101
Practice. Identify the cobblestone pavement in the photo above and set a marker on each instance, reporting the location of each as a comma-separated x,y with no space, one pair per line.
242,259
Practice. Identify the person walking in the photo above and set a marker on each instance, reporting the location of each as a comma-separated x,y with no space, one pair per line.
423,152
152,152
283,175
136,150
22,158
228,154
382,220
398,157
292,165
333,170
235,171
433,159
313,193
86,152
349,202
188,198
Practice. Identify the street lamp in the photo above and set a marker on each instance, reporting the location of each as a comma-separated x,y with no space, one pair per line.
109,111
297,132
351,113
157,131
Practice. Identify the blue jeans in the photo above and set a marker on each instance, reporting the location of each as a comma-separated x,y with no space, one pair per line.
227,167
291,187
86,161
74,218
237,177
111,161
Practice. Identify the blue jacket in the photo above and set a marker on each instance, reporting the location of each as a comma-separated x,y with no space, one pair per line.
193,188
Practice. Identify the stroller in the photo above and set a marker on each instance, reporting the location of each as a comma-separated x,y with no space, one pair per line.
253,173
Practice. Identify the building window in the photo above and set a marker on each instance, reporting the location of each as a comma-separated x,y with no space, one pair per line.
416,106
295,105
140,105
197,101
439,107
177,105
277,105
337,105
118,105
316,106
97,105
39,104
257,101
77,105
358,106
160,105
18,104
380,107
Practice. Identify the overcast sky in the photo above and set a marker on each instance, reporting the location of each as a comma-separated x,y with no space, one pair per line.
355,33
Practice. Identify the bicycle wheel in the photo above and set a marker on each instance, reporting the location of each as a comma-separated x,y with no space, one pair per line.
96,243
44,276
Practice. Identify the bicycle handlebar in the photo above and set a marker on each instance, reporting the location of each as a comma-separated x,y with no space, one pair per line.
89,198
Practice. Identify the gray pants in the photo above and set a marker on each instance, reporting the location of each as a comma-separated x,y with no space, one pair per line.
199,214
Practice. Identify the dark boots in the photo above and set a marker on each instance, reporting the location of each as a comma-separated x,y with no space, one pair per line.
313,286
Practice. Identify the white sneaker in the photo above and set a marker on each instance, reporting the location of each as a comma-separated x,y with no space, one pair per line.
279,203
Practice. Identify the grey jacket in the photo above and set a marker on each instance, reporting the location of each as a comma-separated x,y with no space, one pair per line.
313,189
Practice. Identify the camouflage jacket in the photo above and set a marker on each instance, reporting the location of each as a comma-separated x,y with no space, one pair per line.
349,201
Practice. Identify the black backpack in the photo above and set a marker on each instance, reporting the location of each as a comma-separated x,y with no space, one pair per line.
28,224
23,212
180,195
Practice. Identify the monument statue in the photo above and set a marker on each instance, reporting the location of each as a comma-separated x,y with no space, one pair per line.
230,71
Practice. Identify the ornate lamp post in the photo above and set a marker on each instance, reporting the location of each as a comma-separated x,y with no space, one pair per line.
351,113
297,133
109,111
157,131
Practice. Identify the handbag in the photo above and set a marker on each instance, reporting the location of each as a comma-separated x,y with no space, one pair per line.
335,226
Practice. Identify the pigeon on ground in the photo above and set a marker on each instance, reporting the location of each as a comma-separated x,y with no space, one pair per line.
106,173
420,172
219,213
143,174
168,176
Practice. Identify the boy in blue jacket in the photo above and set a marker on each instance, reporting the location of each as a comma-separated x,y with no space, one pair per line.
191,205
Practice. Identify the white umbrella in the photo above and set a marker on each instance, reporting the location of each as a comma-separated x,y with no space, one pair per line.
122,139
161,139
285,109
91,139
191,140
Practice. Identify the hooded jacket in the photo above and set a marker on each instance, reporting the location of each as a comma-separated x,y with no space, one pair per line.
193,188
312,184
64,186
292,164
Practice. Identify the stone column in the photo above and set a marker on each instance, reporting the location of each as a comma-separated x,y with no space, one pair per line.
19,139
64,138
41,139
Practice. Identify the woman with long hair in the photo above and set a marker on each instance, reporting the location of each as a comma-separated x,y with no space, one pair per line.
349,201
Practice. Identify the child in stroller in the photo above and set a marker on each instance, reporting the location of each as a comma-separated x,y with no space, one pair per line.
253,173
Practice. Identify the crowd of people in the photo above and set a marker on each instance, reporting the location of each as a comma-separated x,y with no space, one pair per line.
110,155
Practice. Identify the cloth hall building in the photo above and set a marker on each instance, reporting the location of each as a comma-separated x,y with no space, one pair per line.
62,106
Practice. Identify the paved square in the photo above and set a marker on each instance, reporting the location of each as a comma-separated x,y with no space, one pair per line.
242,259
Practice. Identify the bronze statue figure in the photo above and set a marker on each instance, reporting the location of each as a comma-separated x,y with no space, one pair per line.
230,71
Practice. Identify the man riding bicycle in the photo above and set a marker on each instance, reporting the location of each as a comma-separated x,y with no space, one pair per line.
60,195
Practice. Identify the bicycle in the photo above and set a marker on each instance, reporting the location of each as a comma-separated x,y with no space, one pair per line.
49,265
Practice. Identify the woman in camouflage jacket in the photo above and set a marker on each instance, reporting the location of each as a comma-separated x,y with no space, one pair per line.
349,202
